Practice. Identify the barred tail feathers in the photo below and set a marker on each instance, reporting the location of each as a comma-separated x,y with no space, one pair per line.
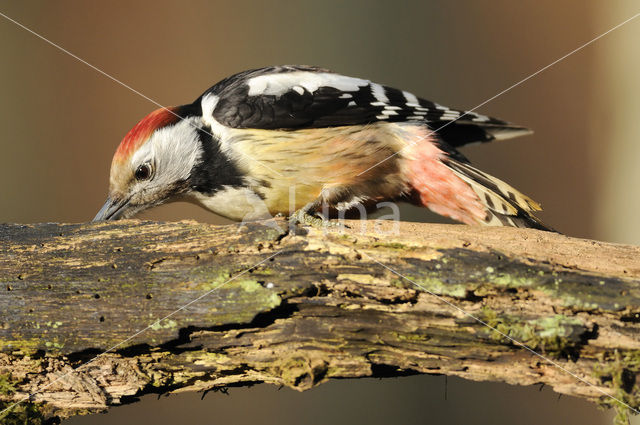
457,190
504,205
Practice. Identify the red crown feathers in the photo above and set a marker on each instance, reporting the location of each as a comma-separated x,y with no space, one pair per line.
141,132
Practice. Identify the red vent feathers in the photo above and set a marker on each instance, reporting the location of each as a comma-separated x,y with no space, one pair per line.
141,132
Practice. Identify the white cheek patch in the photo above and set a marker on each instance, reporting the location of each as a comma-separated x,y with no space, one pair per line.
173,151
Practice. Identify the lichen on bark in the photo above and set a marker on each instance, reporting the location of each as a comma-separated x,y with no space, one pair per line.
297,310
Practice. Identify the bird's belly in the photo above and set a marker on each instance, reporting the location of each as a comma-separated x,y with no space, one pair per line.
289,169
245,204
285,199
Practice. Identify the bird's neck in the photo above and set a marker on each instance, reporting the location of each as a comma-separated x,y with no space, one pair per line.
214,170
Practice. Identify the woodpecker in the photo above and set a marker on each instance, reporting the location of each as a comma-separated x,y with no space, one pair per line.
294,138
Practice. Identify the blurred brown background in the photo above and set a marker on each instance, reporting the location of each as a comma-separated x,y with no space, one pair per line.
61,122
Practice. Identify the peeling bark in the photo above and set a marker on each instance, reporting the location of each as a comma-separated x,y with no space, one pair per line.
323,305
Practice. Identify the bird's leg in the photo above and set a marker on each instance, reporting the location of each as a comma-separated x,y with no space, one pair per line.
305,215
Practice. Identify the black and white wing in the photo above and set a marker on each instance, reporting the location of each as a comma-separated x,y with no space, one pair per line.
294,97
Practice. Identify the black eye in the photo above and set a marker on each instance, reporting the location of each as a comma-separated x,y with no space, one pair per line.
143,172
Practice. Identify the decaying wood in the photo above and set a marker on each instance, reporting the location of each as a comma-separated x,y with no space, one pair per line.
327,304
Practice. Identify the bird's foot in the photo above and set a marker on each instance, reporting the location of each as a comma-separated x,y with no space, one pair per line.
304,218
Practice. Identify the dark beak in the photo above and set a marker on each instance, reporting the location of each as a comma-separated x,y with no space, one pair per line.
113,209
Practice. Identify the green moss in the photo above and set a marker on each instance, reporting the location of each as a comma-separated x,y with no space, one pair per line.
6,385
21,413
401,283
392,245
558,335
249,285
164,324
459,272
230,301
53,344
619,371
435,285
53,325
24,346
206,358
411,337
510,280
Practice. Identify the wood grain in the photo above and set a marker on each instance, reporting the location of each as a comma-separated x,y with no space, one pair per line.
297,310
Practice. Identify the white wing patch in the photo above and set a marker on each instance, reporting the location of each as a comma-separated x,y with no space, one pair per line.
209,103
449,114
411,99
279,83
378,92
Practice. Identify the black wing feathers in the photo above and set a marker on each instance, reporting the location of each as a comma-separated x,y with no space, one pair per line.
329,106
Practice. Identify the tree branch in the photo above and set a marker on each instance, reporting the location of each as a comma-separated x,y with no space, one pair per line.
299,310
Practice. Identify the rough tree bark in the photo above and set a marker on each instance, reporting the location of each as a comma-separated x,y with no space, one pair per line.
297,310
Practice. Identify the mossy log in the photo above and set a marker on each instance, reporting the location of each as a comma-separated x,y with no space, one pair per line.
297,310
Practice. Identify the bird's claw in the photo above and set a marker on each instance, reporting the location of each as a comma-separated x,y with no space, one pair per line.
303,218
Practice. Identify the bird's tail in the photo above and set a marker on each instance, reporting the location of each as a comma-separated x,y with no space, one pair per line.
504,205
457,190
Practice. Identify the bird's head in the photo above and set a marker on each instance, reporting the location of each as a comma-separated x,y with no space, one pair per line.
153,163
